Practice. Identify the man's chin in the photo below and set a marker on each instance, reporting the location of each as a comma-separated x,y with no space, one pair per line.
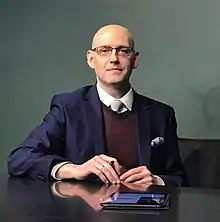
116,82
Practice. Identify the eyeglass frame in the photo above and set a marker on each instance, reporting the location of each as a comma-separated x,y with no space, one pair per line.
116,48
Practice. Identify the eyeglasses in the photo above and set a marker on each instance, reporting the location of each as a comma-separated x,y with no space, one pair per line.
107,50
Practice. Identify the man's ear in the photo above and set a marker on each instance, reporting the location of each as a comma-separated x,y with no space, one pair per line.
89,56
136,60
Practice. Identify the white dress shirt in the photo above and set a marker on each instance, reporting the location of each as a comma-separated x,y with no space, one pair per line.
107,99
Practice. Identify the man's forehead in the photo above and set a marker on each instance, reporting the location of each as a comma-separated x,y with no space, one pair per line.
112,37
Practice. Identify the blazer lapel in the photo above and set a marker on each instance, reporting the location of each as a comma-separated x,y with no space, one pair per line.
142,108
95,120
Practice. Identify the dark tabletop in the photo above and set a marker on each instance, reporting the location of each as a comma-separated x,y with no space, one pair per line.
28,200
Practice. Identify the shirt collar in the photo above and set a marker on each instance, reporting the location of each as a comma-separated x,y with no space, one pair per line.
107,99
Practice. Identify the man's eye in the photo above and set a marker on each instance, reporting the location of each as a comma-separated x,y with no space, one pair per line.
124,50
103,50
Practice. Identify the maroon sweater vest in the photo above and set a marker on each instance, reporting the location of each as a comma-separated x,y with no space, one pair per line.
121,136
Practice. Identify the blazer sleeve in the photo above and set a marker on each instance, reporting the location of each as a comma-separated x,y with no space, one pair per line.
43,148
174,168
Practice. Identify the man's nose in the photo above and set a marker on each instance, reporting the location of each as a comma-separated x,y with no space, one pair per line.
114,57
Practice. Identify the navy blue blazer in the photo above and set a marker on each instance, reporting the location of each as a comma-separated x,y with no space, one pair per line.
73,131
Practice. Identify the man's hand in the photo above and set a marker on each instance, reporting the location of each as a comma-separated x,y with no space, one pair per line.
105,167
140,175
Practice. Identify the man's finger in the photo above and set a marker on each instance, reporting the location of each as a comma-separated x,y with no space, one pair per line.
95,170
113,162
129,173
135,177
110,173
136,170
106,158
146,180
107,170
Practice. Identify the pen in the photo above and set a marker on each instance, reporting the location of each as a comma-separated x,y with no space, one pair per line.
111,162
112,165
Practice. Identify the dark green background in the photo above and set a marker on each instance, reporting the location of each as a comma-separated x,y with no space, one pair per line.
42,52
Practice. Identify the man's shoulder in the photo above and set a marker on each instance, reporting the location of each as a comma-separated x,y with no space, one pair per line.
78,93
75,96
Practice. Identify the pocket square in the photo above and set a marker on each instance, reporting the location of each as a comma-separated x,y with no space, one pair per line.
157,141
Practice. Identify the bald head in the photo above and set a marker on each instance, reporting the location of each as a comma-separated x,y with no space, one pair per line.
113,35
113,68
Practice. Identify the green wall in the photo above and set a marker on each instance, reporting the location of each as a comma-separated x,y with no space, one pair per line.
43,45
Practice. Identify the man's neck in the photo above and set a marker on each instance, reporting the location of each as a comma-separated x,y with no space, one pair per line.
116,90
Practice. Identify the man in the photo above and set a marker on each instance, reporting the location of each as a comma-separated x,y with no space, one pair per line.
106,131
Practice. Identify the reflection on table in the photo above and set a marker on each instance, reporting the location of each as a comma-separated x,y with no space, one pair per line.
74,201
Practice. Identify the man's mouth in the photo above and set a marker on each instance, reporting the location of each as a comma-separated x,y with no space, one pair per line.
112,69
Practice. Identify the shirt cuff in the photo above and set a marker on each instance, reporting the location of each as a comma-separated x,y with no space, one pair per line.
158,181
56,168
